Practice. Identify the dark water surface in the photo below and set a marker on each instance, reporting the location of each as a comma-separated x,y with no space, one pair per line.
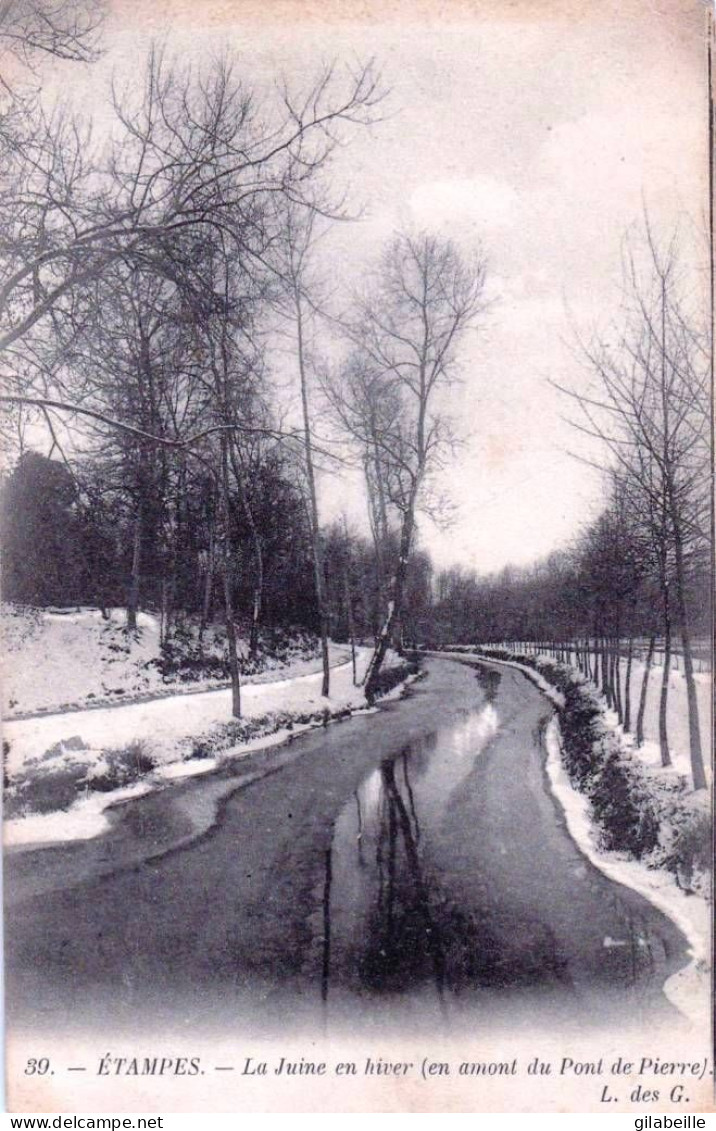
451,876
408,867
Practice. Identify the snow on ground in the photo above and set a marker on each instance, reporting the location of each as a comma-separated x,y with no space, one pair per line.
688,989
82,821
59,659
160,724
677,715
53,658
83,746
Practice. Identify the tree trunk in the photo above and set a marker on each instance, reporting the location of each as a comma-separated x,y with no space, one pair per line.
697,762
663,701
627,685
676,516
135,579
616,680
606,685
351,624
208,580
378,516
164,613
170,612
318,574
234,668
255,622
698,772
644,689
395,602
257,605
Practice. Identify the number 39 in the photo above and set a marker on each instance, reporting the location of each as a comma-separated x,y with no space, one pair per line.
37,1067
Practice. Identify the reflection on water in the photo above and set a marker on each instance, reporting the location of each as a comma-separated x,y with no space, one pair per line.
444,893
440,884
383,923
489,680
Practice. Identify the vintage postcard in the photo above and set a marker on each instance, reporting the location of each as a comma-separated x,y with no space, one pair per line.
357,543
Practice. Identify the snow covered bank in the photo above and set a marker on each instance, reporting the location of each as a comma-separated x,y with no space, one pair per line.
677,712
65,770
677,715
67,659
688,989
650,811
640,823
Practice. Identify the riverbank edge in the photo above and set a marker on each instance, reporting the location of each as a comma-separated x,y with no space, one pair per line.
89,816
690,910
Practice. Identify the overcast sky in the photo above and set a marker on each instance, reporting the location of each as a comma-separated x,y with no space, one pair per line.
537,130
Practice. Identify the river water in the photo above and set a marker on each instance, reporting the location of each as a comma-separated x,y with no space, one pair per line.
451,886
406,869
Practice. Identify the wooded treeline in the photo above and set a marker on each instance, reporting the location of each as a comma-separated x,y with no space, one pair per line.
67,541
146,278
640,575
144,284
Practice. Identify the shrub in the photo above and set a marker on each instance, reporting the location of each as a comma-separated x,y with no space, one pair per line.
123,766
688,848
187,657
201,749
388,678
44,793
627,815
651,817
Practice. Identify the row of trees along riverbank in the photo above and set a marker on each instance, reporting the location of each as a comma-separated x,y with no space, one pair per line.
642,411
144,281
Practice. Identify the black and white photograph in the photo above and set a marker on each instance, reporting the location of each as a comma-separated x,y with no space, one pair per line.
356,536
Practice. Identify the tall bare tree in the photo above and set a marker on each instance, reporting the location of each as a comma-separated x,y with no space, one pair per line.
67,29
406,336
298,306
649,406
30,31
189,152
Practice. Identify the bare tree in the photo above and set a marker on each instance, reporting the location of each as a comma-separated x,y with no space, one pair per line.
67,29
224,303
650,407
298,305
189,153
31,30
130,356
406,336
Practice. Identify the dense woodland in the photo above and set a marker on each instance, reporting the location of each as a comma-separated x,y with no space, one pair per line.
167,451
67,542
156,459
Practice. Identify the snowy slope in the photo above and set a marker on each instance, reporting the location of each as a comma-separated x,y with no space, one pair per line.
677,715
52,659
161,724
64,770
61,659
